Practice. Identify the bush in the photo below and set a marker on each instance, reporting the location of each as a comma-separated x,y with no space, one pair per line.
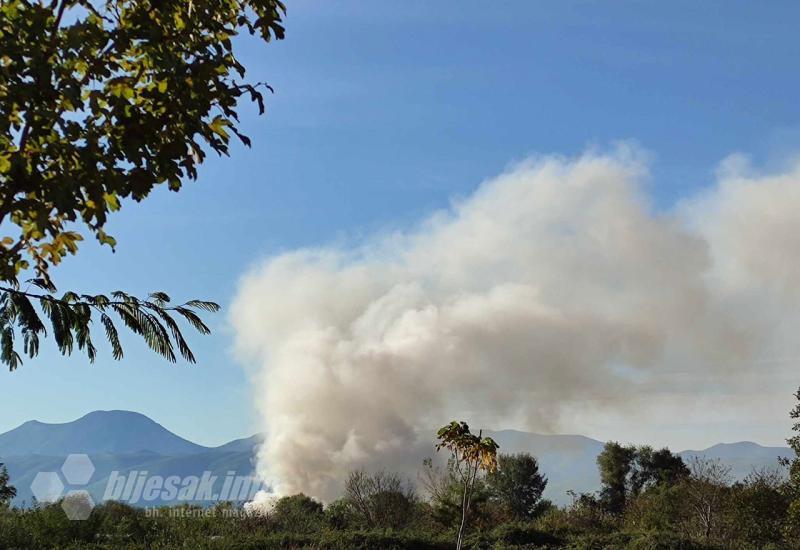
658,509
758,507
522,534
340,515
298,514
380,500
664,541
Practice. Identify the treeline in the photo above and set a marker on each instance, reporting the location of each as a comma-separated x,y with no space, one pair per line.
649,499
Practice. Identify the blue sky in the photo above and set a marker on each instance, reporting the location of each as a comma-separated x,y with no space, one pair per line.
383,112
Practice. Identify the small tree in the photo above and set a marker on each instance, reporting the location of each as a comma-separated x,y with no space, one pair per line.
707,491
471,455
517,484
381,499
7,492
445,490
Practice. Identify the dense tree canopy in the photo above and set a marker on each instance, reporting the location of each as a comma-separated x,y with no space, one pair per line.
626,471
101,101
615,464
518,484
656,467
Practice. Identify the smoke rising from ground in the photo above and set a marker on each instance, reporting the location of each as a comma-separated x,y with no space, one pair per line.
553,288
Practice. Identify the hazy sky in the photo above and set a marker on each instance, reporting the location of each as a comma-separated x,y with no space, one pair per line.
384,112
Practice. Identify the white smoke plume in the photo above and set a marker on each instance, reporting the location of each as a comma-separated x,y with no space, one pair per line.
555,288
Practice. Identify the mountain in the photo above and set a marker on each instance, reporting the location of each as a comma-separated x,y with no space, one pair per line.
742,457
118,443
249,444
97,432
128,443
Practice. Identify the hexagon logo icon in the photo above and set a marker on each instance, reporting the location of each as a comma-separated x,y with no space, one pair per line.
77,505
47,487
77,469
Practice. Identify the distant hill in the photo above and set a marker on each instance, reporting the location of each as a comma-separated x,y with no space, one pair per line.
742,457
126,441
120,441
249,444
97,432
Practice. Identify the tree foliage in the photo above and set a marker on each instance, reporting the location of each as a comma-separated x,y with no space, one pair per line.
707,494
656,467
518,484
7,491
471,454
759,504
100,102
626,471
793,528
615,463
70,317
297,513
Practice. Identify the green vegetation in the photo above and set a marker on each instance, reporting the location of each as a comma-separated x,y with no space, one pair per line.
648,500
793,527
101,101
382,512
7,492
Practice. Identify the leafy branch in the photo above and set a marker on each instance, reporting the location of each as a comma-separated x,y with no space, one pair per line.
103,100
70,319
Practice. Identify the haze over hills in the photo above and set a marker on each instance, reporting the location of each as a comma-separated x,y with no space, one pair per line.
125,441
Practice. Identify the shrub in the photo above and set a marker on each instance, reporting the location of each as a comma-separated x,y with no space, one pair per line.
298,514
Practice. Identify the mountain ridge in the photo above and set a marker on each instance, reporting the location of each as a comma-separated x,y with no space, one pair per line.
95,432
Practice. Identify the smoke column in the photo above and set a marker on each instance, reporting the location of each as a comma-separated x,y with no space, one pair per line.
555,287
